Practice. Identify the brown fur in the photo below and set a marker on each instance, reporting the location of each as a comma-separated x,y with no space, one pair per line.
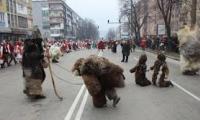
100,77
78,65
140,72
161,65
92,84
99,100
109,74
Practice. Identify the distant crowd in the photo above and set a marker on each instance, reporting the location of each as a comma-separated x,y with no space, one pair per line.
161,43
11,51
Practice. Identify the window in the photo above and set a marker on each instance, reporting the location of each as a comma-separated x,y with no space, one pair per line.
45,25
45,13
23,22
1,17
55,31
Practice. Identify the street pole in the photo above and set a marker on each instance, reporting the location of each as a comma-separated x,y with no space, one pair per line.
120,32
131,18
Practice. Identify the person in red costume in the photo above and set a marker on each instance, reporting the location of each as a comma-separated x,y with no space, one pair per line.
101,45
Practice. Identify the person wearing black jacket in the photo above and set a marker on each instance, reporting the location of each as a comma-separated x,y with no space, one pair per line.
125,51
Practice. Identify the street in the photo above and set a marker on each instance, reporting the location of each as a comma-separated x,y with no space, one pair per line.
181,102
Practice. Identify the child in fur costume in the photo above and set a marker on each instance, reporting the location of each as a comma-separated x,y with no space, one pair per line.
101,78
189,50
160,65
140,72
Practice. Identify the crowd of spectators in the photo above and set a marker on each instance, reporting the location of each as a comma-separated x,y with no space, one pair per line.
161,43
11,51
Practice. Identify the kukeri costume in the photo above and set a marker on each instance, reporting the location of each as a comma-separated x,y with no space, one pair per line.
189,50
101,77
140,72
161,70
32,66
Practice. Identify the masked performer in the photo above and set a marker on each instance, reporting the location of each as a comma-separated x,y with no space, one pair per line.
55,52
189,50
160,66
32,66
140,72
101,77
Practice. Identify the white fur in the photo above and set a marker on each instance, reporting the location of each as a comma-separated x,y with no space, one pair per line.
189,39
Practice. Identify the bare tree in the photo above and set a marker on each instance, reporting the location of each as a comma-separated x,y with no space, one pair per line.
111,34
88,30
189,7
193,13
136,14
166,7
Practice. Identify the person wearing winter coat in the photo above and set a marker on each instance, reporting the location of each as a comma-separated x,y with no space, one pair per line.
125,51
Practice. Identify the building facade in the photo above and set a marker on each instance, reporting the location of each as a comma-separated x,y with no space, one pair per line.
15,19
55,19
41,17
155,22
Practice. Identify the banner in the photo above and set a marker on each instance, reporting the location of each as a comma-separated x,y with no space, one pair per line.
161,30
3,6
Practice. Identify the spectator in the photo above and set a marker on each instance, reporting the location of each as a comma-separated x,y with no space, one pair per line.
101,45
114,47
125,51
1,55
143,43
10,47
175,43
5,54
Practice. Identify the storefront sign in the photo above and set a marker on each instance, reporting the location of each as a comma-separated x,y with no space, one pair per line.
161,30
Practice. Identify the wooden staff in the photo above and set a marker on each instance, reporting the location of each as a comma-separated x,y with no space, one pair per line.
53,81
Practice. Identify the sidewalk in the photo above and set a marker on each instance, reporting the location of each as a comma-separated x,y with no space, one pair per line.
171,55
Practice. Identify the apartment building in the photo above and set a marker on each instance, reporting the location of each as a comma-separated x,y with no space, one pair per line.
41,17
15,19
55,19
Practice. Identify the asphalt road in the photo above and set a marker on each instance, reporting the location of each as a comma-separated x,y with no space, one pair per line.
181,102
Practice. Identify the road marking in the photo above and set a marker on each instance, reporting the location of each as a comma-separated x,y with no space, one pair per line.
83,103
186,91
100,54
80,111
77,99
135,58
73,107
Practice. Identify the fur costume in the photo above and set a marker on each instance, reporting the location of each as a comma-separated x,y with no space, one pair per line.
101,77
32,65
55,53
33,71
140,72
160,65
189,50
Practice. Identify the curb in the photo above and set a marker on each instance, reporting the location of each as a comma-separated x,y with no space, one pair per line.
169,56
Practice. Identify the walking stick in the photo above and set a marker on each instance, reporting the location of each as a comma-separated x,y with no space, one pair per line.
53,81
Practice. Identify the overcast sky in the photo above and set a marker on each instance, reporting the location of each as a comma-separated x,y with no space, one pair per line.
98,10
